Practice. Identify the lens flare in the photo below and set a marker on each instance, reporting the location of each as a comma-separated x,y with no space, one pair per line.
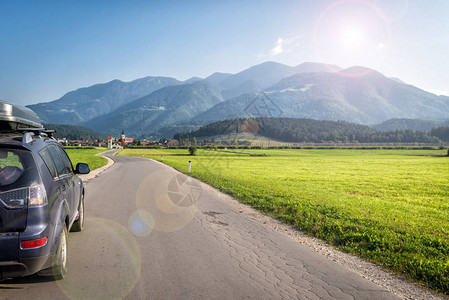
172,203
114,247
250,126
141,223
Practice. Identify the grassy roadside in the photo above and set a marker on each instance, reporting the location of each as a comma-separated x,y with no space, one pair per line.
88,156
387,206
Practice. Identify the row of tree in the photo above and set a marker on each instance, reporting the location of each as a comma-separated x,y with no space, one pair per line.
315,131
441,132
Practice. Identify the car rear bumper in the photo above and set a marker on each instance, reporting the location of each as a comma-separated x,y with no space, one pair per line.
24,267
9,245
12,269
18,262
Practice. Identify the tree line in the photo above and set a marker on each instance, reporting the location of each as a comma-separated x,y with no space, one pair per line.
441,132
314,131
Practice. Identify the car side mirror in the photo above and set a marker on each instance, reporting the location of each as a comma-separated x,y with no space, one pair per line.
82,168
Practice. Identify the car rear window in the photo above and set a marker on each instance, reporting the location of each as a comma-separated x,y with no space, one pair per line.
17,169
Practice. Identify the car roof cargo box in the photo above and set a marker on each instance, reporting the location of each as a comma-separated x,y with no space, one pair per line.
16,117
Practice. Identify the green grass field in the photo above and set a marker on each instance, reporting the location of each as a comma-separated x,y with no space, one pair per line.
387,206
87,156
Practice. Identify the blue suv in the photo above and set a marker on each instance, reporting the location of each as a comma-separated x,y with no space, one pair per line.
41,197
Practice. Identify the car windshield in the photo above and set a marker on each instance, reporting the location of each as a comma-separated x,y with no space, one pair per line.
17,169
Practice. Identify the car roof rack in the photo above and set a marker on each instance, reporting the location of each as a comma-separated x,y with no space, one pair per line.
18,119
30,132
37,131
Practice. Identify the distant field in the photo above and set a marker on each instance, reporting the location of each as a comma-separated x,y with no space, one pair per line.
387,206
87,156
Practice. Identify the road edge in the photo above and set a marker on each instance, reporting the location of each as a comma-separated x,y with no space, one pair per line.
85,178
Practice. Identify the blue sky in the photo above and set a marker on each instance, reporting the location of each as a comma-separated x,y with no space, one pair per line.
49,48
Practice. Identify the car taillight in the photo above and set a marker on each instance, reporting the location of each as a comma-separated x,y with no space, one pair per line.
33,243
37,196
32,196
15,199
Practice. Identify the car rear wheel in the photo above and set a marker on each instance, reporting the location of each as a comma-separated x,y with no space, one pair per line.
78,225
60,259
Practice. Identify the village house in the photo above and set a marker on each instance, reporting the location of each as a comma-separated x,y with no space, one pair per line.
128,141
117,143
172,143
112,143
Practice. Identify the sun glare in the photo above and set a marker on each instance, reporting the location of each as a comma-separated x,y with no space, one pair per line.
352,32
352,38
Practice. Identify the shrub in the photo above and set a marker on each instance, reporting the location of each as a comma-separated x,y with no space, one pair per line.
192,150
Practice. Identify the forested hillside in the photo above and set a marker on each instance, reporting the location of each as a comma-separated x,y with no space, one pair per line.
72,132
310,131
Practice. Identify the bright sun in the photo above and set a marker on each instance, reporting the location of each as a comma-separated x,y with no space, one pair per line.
352,38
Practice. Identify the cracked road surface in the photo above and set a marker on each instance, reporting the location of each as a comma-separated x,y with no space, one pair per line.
153,233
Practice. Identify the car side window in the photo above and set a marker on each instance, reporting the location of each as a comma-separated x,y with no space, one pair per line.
45,155
59,164
66,160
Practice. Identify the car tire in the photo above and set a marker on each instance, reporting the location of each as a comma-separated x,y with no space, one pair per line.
78,225
59,264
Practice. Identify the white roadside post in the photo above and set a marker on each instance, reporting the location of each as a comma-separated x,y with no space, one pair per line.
190,163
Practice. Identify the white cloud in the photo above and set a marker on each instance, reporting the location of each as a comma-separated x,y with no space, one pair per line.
278,48
285,45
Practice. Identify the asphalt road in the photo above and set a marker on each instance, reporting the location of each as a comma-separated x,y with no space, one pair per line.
153,233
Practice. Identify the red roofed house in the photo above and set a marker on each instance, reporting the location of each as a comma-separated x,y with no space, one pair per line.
129,141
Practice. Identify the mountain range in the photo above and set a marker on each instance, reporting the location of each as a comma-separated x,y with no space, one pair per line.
162,106
84,104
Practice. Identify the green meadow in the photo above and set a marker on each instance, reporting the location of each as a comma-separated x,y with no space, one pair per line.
390,207
88,156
